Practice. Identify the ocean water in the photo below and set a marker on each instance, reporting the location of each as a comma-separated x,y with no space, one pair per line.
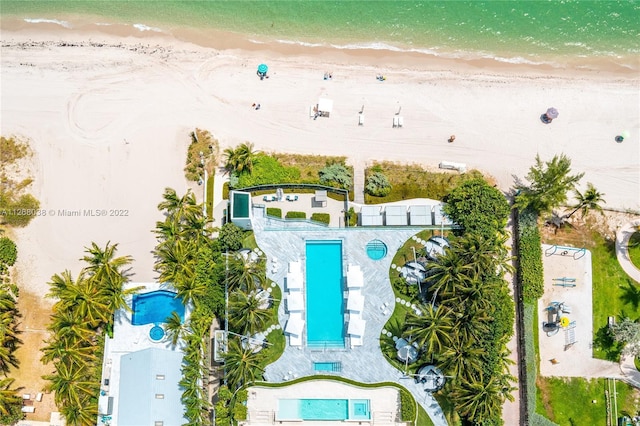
511,31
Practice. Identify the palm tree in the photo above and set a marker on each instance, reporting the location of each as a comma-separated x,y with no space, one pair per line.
8,396
472,324
176,328
480,400
549,184
448,272
230,159
177,208
431,329
587,201
69,382
81,414
60,284
245,274
461,359
70,327
84,300
242,365
240,159
245,314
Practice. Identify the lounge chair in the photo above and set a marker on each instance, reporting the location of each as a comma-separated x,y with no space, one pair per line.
395,121
400,121
292,198
361,119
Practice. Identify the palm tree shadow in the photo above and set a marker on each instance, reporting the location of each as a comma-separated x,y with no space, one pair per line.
631,294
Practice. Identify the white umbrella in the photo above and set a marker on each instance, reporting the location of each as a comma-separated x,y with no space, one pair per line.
295,302
294,280
355,301
295,325
356,326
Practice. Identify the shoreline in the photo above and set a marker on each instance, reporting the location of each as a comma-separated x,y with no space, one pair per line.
382,57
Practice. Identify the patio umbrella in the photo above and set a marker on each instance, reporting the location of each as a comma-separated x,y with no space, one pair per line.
552,113
263,68
408,354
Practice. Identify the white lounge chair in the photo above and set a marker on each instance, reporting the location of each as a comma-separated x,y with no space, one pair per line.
360,119
395,121
400,121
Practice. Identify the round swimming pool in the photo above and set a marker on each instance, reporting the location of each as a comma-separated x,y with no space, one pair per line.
156,333
376,249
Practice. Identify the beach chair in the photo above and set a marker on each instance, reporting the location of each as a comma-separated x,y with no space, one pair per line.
360,119
395,121
400,121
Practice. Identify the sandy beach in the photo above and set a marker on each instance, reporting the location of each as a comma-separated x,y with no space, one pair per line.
108,116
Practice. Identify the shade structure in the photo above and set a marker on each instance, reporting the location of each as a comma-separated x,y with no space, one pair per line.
295,324
264,298
431,378
355,301
254,342
552,113
408,354
263,68
356,326
354,277
295,302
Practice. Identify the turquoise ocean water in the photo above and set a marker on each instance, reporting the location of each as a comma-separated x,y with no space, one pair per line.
511,31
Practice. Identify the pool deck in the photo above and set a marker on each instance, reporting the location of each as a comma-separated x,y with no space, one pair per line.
127,338
278,240
262,402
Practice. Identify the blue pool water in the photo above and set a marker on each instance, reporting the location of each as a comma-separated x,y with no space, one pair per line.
323,409
156,333
325,310
327,366
155,307
376,249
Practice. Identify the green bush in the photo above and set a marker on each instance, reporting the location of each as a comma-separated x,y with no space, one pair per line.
530,272
321,217
377,185
230,237
25,202
225,191
296,215
407,406
8,251
336,174
274,211
267,170
477,207
352,217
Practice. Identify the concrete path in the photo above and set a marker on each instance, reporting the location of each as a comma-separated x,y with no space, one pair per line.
622,251
358,181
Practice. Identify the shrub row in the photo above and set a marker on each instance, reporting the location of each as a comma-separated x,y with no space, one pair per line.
530,273
321,217
274,211
407,406
296,215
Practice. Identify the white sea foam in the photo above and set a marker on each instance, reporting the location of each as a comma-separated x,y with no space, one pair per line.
103,24
143,27
47,21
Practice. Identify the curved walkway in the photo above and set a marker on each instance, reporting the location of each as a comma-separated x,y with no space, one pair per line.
622,251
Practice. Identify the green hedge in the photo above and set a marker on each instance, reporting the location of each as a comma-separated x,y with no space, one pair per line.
530,273
407,406
321,217
296,215
274,211
8,252
352,216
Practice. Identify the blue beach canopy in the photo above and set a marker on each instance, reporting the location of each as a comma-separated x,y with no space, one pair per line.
262,68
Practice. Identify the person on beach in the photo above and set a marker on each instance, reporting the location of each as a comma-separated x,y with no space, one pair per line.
452,138
257,107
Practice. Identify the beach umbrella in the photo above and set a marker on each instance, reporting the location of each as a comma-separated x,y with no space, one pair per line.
263,68
552,113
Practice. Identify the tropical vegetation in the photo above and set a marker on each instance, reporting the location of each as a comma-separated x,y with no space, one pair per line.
587,201
377,184
83,312
17,207
203,154
465,318
10,401
549,183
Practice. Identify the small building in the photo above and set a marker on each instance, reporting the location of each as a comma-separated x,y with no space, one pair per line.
150,393
420,215
370,216
240,209
395,215
320,198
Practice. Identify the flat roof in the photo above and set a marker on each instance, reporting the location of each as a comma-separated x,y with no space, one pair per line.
395,215
420,215
149,388
240,205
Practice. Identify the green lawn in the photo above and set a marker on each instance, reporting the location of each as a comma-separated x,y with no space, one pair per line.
571,401
423,417
634,248
276,338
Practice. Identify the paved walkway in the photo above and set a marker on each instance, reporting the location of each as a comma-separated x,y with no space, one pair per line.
358,181
622,250
364,363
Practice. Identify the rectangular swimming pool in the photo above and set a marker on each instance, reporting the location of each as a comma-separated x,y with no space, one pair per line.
323,409
325,310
